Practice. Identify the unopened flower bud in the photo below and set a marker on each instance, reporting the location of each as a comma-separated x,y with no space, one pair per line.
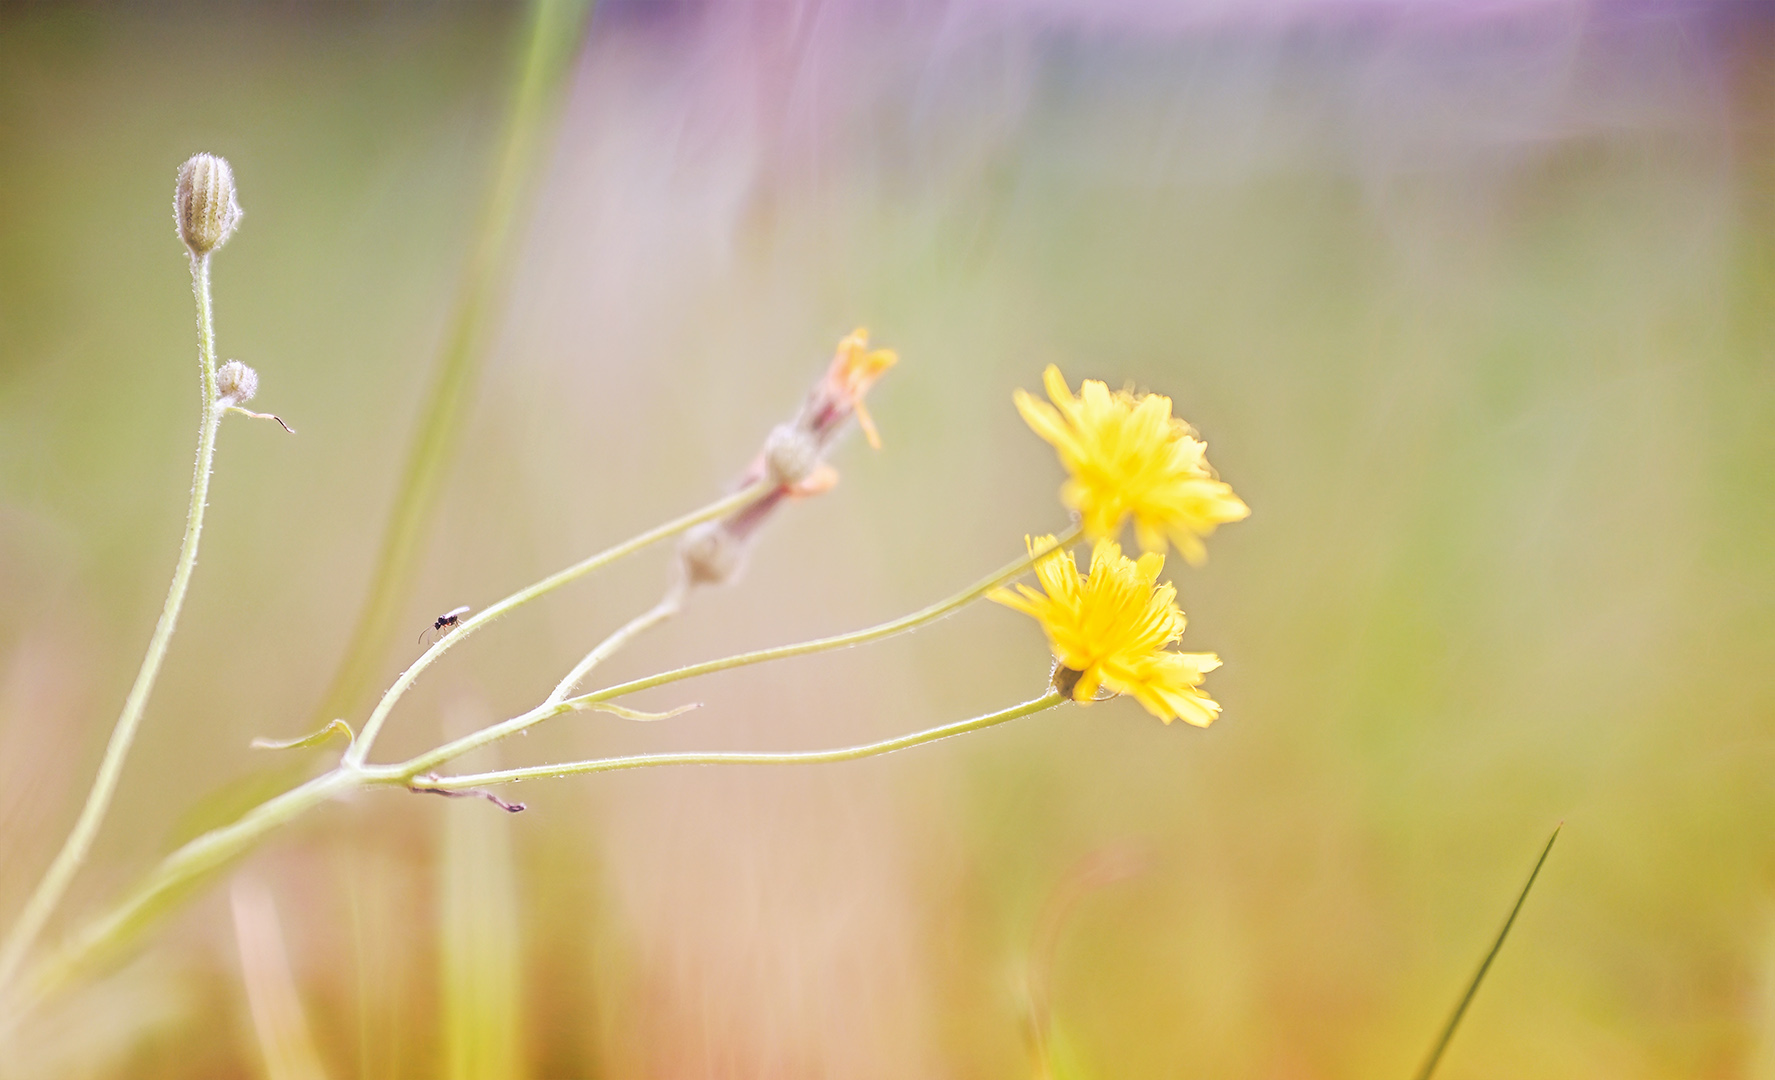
236,383
710,554
791,454
204,203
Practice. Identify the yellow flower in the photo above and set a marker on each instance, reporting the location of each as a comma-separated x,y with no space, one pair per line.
1110,629
1130,458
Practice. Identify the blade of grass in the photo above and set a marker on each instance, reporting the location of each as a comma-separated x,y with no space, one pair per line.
555,30
480,946
1454,1021
285,1041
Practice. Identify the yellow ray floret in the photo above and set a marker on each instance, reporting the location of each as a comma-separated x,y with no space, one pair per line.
1111,629
1129,457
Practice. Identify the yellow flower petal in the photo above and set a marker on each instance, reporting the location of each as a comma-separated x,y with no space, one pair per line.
1128,457
1112,628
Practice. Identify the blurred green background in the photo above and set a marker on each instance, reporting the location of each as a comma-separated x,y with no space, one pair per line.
1474,304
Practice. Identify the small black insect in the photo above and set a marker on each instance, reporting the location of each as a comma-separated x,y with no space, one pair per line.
447,621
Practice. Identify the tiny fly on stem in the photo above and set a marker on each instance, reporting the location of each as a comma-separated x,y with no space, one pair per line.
447,621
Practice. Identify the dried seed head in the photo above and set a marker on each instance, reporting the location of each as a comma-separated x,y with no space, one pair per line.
204,203
236,383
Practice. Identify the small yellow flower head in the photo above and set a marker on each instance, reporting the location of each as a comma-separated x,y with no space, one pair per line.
1111,629
1129,457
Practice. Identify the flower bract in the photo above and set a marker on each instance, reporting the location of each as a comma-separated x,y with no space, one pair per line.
1129,457
1112,630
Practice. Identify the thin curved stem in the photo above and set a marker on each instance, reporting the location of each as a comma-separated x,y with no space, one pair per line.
359,752
452,750
668,606
186,866
800,757
49,891
189,865
913,621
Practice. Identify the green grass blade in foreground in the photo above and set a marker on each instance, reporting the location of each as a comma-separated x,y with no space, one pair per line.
1454,1021
480,946
556,29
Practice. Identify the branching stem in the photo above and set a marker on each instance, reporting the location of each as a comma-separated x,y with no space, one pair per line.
360,750
668,606
452,750
187,866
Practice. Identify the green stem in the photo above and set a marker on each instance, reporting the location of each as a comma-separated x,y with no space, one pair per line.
449,751
185,867
213,850
801,757
49,892
555,30
360,750
669,605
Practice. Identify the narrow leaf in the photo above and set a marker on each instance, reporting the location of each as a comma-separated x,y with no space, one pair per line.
636,714
1454,1021
313,739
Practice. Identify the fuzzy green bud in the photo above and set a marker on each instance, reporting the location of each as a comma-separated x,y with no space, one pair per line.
204,203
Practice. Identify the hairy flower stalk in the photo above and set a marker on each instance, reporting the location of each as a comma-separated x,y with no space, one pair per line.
206,211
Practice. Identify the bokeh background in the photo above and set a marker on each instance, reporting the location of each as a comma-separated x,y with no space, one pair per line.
1473,302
